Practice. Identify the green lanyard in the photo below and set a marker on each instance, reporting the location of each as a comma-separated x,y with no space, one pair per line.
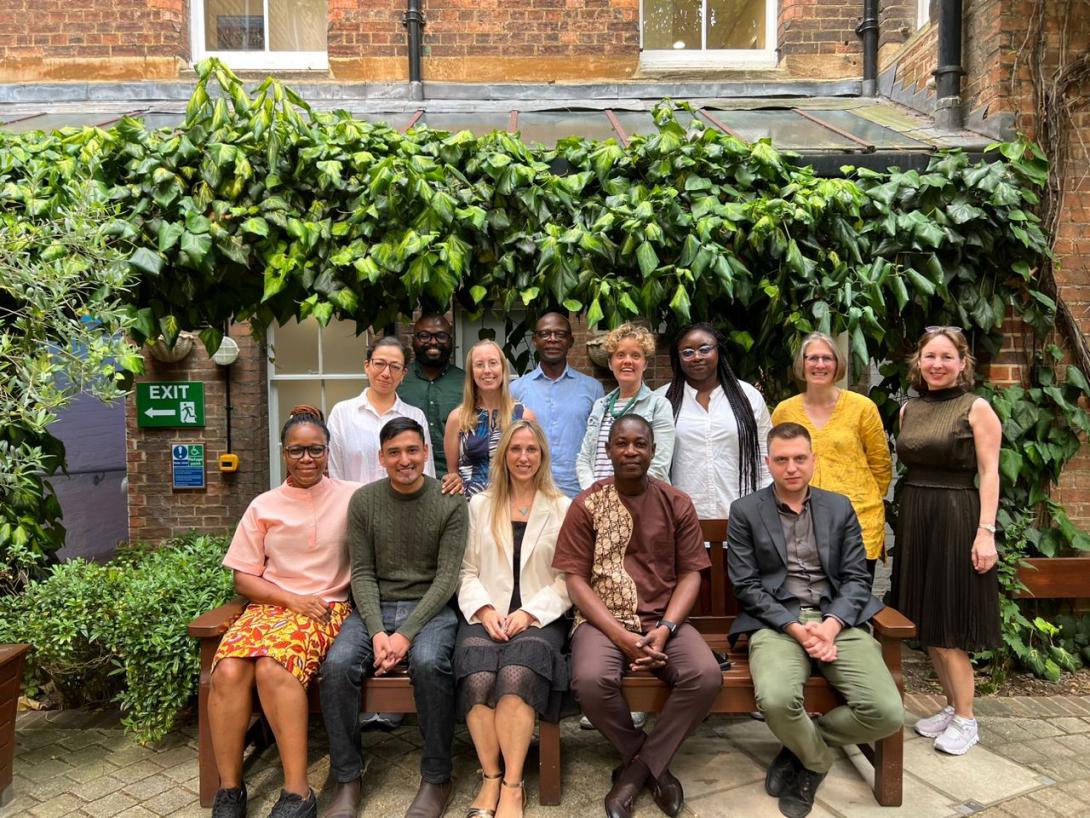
613,402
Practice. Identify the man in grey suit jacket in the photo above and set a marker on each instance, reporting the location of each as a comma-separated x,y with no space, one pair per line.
796,559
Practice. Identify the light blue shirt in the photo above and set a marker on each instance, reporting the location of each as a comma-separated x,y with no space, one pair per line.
562,408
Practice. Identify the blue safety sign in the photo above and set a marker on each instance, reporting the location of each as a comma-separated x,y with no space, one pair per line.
187,465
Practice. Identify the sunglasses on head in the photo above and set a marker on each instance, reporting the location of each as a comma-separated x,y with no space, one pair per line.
949,328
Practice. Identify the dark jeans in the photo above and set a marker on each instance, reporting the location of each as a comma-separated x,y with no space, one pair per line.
351,660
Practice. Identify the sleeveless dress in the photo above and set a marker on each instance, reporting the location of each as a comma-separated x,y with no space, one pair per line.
475,449
934,583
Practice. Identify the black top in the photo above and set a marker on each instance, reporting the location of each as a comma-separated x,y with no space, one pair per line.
518,531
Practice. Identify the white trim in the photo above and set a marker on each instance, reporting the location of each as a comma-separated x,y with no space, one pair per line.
704,58
923,13
253,60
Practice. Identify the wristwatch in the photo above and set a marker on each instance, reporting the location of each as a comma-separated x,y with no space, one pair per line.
670,626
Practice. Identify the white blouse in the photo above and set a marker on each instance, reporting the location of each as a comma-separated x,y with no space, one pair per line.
707,463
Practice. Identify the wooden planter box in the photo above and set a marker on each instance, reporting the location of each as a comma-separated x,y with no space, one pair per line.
11,677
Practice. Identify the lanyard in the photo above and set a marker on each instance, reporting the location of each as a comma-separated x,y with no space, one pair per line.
613,402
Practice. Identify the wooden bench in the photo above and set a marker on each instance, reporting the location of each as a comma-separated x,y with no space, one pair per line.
1055,578
12,658
712,616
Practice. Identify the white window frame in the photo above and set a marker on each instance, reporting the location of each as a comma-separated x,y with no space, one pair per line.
253,60
276,476
668,59
923,13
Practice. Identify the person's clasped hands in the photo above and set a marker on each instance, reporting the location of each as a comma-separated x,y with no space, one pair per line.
503,628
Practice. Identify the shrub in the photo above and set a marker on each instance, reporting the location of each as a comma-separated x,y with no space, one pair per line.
118,631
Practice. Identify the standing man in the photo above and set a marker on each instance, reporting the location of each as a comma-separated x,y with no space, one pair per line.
433,384
354,424
797,563
561,397
406,540
632,551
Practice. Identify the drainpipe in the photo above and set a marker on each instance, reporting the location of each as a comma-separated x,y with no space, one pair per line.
414,22
948,74
868,30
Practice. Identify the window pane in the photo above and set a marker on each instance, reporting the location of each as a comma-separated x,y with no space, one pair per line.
738,24
548,127
479,124
234,25
336,391
293,393
297,25
343,352
294,349
786,129
671,25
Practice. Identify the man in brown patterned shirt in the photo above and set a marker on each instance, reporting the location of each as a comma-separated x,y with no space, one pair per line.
631,550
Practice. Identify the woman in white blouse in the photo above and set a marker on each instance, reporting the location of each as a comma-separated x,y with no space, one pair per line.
721,424
508,660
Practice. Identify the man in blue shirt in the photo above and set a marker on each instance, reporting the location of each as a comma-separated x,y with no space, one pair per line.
560,397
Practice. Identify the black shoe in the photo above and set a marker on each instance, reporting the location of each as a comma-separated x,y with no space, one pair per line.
798,799
292,805
230,803
668,793
781,773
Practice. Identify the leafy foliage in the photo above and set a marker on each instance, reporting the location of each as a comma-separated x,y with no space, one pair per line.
118,631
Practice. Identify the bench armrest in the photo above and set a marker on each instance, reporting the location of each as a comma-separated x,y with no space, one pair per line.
889,623
216,621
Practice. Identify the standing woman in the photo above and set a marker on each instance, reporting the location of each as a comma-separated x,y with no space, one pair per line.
291,562
476,424
722,424
509,658
944,576
629,346
849,440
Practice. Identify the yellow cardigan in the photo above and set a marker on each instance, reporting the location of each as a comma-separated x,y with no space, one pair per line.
852,458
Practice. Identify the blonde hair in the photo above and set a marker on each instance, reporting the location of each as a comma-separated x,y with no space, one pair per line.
499,480
798,368
967,376
636,332
467,411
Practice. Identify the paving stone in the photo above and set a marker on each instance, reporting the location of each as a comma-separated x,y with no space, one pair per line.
95,789
44,770
149,787
1038,728
1004,730
63,804
1079,743
170,801
1071,724
135,772
1079,789
1023,807
184,771
137,812
1059,801
109,805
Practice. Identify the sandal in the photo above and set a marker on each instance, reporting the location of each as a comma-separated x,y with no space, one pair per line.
517,786
482,812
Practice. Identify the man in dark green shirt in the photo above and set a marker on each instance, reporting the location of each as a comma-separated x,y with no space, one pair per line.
433,385
406,540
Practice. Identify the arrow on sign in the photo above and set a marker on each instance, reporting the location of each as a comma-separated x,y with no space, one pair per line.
160,413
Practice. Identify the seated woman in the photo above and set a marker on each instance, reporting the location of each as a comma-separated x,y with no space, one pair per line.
508,660
475,425
291,562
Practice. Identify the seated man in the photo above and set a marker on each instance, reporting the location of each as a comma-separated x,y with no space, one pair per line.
406,541
795,557
632,551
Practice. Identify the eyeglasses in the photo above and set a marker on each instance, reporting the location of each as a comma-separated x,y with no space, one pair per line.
394,367
546,334
297,452
704,350
819,359
950,328
424,337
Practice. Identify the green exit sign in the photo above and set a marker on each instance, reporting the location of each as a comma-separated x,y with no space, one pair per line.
170,404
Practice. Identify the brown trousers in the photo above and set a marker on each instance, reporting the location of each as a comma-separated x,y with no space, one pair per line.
691,671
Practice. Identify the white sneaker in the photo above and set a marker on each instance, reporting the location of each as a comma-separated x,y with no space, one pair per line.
585,724
958,737
639,719
934,726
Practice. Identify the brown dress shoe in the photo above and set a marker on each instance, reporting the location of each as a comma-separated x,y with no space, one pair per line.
345,802
431,800
621,799
668,794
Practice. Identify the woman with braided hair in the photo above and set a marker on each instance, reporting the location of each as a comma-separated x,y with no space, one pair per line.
721,424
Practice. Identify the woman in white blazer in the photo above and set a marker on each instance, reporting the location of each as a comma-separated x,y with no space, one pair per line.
508,660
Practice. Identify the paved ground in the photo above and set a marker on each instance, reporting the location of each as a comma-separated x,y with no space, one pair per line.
1035,761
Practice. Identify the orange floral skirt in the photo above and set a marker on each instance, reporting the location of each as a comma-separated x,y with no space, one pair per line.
296,641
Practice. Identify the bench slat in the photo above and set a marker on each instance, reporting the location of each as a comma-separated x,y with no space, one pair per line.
1055,578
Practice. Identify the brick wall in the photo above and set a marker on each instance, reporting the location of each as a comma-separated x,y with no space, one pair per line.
103,40
817,37
488,40
155,510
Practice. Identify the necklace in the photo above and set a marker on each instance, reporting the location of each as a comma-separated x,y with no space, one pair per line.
523,510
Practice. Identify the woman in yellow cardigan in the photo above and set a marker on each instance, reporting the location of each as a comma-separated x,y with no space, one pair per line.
850,443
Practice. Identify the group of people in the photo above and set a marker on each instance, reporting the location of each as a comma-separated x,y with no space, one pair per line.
577,559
